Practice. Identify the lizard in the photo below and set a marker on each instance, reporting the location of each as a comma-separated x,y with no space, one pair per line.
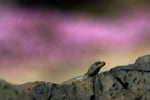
92,71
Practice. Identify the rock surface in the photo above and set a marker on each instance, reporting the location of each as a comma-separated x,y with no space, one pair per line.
128,82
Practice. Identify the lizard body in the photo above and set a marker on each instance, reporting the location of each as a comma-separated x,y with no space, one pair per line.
92,71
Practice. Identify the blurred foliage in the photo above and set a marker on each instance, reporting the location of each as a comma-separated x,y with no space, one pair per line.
98,7
43,39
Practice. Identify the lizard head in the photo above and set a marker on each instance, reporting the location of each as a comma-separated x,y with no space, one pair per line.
95,68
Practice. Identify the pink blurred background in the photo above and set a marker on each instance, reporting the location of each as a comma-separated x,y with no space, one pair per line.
55,44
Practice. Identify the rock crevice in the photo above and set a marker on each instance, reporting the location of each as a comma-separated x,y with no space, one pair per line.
128,82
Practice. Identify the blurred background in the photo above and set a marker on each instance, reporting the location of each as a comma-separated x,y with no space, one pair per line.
55,40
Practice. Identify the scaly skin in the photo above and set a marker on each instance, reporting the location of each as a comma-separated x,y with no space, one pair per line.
95,68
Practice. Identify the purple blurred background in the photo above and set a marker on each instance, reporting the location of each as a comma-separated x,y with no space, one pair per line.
54,42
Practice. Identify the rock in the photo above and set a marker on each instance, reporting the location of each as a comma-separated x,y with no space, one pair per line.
143,60
12,92
127,82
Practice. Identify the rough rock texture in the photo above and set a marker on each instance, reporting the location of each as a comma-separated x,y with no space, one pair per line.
129,82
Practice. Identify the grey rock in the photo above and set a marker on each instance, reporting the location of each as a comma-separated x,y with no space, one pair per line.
127,82
12,92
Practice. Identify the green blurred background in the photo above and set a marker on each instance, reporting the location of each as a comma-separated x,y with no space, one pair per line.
56,40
